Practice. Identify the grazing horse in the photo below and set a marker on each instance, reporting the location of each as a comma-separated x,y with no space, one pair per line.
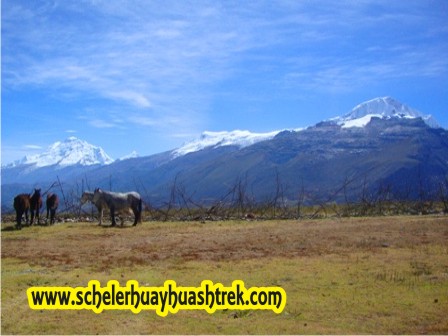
120,202
87,196
21,205
35,205
52,204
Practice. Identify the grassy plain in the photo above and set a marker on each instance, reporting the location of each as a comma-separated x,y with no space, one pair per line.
380,275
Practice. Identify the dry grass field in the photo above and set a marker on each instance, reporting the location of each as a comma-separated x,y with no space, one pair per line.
380,275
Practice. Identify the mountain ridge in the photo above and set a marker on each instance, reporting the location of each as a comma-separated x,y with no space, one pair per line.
396,151
73,151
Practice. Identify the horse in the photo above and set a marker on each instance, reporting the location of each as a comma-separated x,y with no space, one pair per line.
35,205
52,204
87,196
119,202
21,205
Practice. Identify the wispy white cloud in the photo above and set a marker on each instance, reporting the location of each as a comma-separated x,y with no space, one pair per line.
98,123
141,59
136,98
32,147
143,120
345,74
160,65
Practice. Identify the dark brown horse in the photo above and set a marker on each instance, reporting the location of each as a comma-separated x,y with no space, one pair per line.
52,204
21,205
35,205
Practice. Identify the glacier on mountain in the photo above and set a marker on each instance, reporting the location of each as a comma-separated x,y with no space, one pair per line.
359,116
384,108
237,138
131,155
71,151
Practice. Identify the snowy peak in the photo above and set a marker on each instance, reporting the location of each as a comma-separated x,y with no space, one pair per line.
217,139
359,116
384,108
131,155
71,151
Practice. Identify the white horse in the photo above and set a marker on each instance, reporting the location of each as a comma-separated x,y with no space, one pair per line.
120,202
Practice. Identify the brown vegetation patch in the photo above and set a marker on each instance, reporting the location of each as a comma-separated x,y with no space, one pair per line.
88,245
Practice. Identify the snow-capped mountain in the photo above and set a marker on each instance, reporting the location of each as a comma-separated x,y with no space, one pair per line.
359,116
131,155
236,138
380,142
383,108
72,151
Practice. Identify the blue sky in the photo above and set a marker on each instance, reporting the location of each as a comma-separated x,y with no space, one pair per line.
150,75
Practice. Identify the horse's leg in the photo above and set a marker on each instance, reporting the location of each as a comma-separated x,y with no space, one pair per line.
140,210
137,209
53,214
32,217
100,215
19,219
46,220
136,216
112,215
26,217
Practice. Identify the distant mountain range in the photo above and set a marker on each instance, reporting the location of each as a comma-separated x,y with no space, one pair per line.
381,143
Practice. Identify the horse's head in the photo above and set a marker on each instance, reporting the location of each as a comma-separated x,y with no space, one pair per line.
96,195
36,192
84,198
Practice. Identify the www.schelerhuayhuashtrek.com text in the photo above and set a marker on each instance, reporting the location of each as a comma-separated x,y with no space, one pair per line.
163,300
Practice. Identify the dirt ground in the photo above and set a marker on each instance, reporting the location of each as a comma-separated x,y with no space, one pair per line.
85,244
378,254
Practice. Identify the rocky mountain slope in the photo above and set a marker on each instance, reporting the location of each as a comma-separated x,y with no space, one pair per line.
379,145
